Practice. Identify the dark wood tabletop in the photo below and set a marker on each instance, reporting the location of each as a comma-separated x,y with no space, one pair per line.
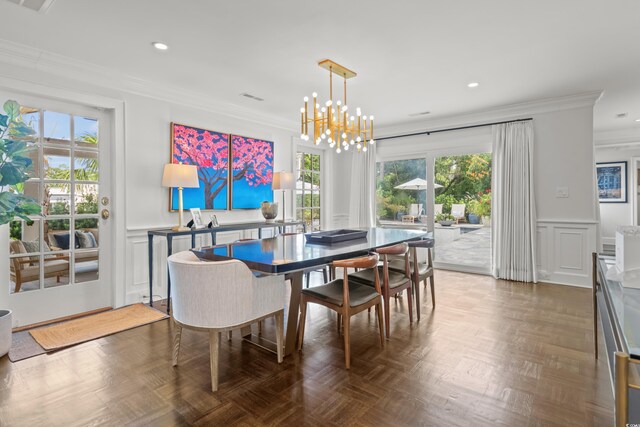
284,254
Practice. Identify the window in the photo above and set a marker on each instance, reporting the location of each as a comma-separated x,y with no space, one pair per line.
401,191
308,189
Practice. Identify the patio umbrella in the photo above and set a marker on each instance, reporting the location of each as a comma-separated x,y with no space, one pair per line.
416,184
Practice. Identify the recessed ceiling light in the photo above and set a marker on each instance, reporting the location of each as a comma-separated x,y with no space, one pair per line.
637,120
160,45
473,84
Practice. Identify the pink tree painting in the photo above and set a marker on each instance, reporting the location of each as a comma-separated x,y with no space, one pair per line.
252,169
209,151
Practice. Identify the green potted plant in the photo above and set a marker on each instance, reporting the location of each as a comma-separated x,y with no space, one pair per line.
445,219
15,136
473,207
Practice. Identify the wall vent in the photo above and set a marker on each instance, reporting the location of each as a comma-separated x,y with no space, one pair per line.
41,6
248,95
423,113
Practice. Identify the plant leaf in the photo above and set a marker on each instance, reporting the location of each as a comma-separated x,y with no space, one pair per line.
12,108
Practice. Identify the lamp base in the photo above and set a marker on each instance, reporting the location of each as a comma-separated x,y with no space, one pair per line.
180,228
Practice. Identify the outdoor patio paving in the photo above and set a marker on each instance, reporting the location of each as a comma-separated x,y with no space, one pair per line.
471,249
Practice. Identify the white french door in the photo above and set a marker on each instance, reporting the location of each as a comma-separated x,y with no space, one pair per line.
59,263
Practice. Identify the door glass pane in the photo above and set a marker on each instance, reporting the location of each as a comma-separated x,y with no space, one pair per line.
86,199
57,163
86,255
57,236
85,165
57,127
57,199
85,131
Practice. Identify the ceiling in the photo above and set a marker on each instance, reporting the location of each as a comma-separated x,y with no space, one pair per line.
410,56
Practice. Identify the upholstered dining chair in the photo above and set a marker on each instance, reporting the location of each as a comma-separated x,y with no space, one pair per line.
219,297
393,282
424,270
346,298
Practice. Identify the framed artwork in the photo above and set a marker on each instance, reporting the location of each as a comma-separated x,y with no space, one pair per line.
209,151
251,172
214,221
196,215
612,182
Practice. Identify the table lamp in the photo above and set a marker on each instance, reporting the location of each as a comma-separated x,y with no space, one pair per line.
283,181
181,176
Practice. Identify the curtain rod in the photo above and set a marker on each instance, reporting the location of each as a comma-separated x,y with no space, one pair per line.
429,132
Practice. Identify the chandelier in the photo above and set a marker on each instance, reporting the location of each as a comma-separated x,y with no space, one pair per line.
332,122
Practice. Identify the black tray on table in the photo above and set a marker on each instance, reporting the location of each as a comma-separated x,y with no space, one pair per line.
335,236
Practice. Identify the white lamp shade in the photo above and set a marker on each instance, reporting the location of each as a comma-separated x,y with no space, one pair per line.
283,181
179,175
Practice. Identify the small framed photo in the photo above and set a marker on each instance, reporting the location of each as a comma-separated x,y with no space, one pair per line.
612,182
197,218
214,221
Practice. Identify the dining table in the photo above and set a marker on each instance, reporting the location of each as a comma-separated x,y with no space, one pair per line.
291,255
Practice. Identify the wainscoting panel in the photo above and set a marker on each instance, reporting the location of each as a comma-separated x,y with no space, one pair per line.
564,251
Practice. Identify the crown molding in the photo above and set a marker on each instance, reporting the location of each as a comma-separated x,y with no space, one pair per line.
506,112
617,138
12,53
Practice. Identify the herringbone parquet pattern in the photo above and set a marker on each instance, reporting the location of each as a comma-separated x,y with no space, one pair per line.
492,353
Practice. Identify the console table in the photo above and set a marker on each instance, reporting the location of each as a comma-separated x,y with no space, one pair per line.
619,309
169,234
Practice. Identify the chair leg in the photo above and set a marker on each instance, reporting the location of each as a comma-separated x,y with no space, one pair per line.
415,284
260,327
325,276
308,277
433,291
387,325
347,343
380,327
229,335
303,316
410,303
339,323
177,335
214,341
280,334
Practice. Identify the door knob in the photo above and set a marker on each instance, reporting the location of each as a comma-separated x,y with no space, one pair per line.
105,213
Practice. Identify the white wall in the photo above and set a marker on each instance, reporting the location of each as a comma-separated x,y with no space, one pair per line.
567,227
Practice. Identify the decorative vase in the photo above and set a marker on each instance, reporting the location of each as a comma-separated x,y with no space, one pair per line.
269,211
474,219
5,332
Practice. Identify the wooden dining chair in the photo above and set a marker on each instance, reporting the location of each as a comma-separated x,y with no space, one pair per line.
393,282
346,298
424,270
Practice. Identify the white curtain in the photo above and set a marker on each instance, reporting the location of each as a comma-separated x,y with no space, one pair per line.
362,204
513,206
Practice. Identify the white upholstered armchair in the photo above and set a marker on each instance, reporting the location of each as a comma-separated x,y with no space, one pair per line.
221,296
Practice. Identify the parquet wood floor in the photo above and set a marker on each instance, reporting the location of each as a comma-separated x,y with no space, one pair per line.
493,353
